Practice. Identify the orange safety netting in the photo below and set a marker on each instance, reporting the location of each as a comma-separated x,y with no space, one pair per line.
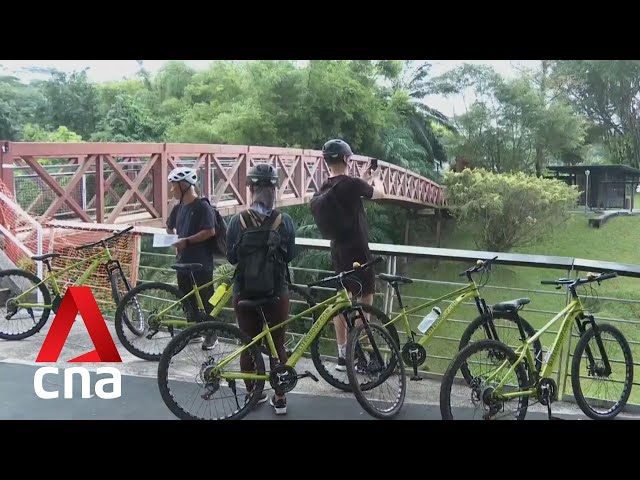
20,238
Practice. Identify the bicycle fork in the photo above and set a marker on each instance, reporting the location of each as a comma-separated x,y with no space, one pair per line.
593,368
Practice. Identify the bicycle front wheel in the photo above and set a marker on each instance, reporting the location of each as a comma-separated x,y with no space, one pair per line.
372,352
325,354
602,372
481,398
143,316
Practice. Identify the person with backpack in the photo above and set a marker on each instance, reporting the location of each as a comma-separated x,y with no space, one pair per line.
261,243
339,213
199,228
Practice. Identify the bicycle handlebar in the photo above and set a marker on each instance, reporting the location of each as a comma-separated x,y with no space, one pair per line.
591,277
82,247
341,275
480,265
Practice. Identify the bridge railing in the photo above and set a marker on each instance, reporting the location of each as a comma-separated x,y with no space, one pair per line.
104,181
435,271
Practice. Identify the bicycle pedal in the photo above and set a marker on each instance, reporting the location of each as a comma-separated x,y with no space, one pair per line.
307,373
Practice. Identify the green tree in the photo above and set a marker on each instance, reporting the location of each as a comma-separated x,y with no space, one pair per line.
507,210
513,125
71,100
36,133
607,92
19,104
126,121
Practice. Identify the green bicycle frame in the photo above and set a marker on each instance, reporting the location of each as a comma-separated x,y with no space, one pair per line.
195,290
94,260
331,307
460,295
568,315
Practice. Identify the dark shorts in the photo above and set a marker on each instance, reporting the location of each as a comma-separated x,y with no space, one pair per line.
362,283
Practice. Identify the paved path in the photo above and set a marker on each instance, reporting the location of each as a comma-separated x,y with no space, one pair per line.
141,401
141,398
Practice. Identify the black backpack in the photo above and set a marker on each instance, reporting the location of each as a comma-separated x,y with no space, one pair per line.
218,244
261,269
329,215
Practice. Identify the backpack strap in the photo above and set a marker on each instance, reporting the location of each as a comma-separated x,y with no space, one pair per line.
248,217
276,222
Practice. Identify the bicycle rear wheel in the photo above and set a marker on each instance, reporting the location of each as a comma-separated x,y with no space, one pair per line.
480,392
506,331
22,322
608,364
189,385
368,356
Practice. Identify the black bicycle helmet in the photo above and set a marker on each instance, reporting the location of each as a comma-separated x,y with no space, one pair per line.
335,148
263,174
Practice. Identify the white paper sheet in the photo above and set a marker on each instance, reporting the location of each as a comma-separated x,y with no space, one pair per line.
164,240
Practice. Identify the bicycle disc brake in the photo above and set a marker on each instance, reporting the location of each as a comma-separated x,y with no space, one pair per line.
212,385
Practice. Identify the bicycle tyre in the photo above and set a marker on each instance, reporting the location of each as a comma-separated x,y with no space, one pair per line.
120,320
461,358
478,324
322,366
115,293
353,380
575,372
182,339
46,296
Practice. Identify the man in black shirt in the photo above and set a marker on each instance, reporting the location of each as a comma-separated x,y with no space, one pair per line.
355,247
194,222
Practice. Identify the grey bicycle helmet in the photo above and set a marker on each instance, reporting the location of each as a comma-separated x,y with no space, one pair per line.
263,174
336,148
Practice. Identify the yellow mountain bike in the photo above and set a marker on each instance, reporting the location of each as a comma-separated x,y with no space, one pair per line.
497,322
500,383
23,292
227,381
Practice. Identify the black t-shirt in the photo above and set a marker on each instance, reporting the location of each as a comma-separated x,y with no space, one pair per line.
350,191
189,219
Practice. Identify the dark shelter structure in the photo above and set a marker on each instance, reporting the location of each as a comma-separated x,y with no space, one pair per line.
608,187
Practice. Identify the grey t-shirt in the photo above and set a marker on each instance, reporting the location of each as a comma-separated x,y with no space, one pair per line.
189,219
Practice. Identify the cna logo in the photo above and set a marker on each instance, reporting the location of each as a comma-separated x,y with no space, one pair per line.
79,300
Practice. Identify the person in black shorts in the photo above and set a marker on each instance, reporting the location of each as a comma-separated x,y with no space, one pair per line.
355,248
195,223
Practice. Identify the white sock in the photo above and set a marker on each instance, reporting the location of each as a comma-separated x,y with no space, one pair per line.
342,350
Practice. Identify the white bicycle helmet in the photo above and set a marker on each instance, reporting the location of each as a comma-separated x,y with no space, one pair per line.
183,173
